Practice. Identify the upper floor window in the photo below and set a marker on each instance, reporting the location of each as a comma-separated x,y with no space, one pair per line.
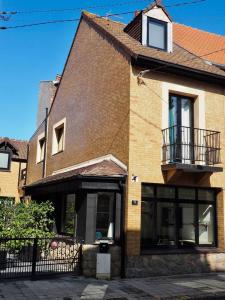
157,34
41,148
58,142
4,161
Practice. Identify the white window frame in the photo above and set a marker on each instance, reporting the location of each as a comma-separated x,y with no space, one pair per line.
54,137
38,157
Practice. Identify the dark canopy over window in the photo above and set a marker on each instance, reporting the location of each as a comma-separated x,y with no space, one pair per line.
177,216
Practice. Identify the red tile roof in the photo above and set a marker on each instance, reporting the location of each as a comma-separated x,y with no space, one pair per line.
200,42
106,168
179,57
19,145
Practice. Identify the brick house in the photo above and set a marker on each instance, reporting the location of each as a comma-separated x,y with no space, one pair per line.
132,148
13,159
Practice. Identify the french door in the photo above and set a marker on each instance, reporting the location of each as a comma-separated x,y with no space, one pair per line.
181,128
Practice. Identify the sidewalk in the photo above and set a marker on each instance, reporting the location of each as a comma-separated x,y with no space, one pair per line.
167,288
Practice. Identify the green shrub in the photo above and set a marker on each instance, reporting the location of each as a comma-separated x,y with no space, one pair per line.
21,220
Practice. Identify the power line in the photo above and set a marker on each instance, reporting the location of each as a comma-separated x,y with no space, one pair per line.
77,19
97,6
76,8
62,21
187,60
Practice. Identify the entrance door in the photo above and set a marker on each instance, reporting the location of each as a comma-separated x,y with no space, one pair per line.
181,128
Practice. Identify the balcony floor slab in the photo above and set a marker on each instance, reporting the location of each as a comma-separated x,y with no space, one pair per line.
191,168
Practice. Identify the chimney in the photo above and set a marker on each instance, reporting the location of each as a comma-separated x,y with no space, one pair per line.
136,13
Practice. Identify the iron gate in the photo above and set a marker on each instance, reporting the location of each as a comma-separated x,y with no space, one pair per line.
35,257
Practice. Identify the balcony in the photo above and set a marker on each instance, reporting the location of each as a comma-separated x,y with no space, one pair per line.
191,149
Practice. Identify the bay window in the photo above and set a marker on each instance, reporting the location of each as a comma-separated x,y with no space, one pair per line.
177,217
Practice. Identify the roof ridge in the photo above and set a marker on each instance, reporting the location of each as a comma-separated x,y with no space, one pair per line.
87,14
13,139
202,30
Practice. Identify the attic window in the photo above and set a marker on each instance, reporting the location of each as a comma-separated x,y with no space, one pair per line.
157,34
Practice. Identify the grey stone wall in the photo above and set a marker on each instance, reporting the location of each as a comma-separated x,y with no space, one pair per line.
89,260
174,264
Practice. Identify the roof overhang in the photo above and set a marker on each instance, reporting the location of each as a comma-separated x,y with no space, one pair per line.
167,67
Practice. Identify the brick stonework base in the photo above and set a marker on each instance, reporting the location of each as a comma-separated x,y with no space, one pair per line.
89,260
173,264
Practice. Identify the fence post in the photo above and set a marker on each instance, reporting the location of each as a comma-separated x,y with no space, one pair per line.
80,259
34,258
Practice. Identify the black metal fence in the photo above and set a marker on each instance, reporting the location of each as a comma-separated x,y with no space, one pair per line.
191,145
36,257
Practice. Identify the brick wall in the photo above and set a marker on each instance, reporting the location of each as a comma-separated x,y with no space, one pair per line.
34,170
145,142
93,96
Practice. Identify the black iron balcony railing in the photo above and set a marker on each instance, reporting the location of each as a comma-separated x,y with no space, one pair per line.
191,145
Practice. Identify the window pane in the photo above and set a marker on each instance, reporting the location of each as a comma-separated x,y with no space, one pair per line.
105,217
206,224
186,194
42,148
156,35
69,215
147,191
165,192
207,195
4,160
186,220
157,224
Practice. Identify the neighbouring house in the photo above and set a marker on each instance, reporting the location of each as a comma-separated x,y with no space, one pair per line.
132,148
13,161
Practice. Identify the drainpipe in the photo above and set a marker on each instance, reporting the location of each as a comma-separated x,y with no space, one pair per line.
28,149
45,149
122,230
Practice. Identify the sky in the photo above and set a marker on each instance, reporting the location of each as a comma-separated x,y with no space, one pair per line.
31,54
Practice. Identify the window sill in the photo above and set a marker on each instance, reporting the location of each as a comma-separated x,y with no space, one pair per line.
196,250
5,170
53,154
39,162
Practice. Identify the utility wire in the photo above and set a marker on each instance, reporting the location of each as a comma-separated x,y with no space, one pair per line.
97,6
187,60
78,19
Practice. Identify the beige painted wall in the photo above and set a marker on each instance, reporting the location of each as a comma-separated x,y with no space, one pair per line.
9,181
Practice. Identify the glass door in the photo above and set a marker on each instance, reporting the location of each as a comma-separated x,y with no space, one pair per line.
181,129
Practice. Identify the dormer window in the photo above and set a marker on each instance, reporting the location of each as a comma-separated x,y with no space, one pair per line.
157,34
153,28
4,161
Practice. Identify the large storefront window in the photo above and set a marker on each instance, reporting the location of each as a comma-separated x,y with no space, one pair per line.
177,217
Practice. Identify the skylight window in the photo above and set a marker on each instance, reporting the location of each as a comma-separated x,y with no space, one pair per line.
157,34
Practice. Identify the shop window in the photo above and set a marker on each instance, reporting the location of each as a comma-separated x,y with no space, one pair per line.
177,217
